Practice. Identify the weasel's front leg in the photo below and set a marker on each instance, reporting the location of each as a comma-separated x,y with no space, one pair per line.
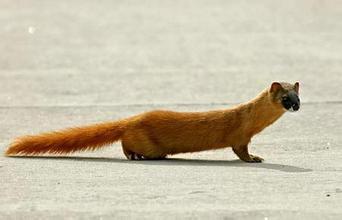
242,153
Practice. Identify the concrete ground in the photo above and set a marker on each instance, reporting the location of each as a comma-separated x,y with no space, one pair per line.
68,63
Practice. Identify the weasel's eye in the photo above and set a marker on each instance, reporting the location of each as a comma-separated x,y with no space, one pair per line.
285,98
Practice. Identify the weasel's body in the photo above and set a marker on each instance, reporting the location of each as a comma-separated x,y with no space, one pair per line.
156,134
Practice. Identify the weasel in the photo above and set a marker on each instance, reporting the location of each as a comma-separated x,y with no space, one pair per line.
156,134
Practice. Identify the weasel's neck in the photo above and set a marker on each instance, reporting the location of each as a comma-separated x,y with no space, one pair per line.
260,113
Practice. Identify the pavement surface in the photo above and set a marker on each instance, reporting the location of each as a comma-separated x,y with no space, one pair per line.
69,63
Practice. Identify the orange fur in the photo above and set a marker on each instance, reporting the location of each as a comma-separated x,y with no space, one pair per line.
69,140
156,134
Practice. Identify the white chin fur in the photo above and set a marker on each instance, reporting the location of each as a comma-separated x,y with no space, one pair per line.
291,109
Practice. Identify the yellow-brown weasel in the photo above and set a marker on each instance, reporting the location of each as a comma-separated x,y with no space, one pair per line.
156,134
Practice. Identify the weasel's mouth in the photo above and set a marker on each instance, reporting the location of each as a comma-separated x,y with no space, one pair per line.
293,108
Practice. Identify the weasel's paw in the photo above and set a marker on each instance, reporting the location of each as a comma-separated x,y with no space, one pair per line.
255,159
134,156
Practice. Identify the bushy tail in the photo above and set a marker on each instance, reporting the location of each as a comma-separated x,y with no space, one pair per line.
70,140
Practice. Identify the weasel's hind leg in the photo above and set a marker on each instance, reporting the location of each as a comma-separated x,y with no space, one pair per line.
140,147
130,155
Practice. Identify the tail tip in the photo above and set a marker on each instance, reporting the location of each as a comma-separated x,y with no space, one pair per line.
12,150
9,152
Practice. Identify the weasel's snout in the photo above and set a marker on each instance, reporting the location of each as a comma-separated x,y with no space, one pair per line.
291,102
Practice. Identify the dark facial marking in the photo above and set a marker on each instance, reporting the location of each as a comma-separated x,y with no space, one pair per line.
291,101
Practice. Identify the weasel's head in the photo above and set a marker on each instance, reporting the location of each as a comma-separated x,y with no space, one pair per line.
285,95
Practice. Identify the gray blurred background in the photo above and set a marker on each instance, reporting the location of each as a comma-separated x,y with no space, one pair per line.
119,52
68,63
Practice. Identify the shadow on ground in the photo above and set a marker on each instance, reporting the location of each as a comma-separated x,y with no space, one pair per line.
178,162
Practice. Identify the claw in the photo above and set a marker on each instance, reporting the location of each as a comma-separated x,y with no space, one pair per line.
256,159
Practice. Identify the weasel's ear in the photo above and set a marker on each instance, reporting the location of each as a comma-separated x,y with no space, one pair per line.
296,87
275,87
